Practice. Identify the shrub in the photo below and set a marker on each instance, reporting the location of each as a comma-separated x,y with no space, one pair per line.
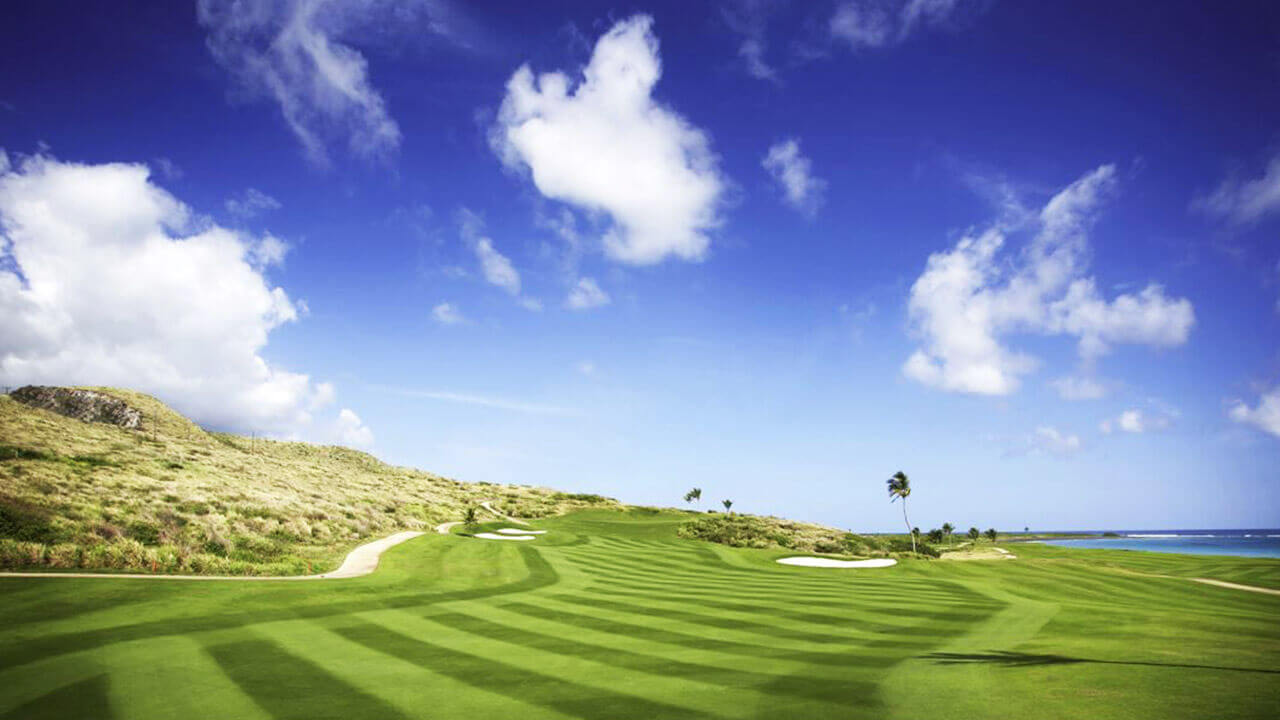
732,530
827,545
144,532
23,522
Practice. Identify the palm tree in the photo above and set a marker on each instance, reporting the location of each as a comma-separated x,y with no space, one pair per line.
900,487
991,534
915,533
693,495
947,529
935,535
469,517
974,534
727,504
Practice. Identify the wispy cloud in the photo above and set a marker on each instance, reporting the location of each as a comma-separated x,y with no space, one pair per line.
447,314
296,53
496,403
875,23
1245,201
794,174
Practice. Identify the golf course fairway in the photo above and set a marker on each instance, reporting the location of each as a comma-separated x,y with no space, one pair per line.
608,615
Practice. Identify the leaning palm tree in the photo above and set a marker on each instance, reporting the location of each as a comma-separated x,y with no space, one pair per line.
727,504
900,487
947,529
693,495
974,534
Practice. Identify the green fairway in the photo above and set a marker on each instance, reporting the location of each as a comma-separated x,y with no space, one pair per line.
609,615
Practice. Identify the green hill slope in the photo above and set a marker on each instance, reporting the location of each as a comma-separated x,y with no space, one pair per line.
171,497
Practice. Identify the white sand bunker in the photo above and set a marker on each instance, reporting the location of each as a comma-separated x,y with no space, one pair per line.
496,536
833,563
518,531
1007,555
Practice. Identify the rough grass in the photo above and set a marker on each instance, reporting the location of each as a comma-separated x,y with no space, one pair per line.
175,498
753,531
610,616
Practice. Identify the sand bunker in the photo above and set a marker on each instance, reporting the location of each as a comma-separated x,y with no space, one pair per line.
496,536
517,531
833,563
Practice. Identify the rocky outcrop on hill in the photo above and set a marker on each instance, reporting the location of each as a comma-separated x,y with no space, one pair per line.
85,405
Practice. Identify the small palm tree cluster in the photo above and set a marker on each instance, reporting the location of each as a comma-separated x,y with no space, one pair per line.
695,495
944,533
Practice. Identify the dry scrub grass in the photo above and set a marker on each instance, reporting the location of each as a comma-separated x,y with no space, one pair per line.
172,497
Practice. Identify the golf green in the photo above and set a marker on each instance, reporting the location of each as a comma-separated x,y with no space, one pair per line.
609,615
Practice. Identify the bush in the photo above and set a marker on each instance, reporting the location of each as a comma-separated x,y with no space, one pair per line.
144,533
23,522
731,530
827,545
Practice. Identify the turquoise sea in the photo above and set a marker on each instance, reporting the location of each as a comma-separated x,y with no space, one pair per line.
1248,543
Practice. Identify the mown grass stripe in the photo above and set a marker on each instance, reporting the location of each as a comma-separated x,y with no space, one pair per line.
901,605
559,694
751,627
88,699
767,578
272,677
819,689
541,574
668,636
944,621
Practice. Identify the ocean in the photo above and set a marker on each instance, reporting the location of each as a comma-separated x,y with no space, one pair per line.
1247,543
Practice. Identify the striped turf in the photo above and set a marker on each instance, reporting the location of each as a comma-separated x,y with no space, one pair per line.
609,615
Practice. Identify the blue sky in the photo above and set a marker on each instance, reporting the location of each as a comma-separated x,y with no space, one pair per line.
1026,254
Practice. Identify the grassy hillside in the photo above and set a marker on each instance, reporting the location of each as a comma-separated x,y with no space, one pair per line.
753,531
174,498
611,616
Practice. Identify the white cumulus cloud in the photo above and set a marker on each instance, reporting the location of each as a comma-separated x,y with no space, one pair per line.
107,279
604,145
586,294
293,52
971,297
1265,415
351,430
794,174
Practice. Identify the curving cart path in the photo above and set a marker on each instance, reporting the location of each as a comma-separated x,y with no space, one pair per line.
358,563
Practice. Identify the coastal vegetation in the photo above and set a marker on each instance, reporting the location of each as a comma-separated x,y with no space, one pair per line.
167,496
